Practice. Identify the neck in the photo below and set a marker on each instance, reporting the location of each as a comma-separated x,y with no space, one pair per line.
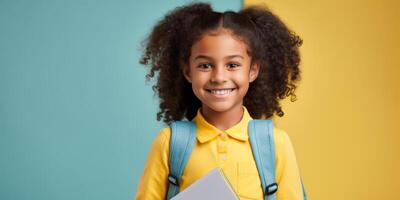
223,120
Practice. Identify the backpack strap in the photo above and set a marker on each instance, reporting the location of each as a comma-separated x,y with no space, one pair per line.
263,148
261,134
183,138
304,191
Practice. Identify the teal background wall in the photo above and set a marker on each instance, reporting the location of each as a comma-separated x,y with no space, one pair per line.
76,117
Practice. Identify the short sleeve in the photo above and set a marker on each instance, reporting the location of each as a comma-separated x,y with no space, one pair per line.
287,172
153,182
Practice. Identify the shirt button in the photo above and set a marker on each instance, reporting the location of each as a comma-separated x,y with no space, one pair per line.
223,157
222,136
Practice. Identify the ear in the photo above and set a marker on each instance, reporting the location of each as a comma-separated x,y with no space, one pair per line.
254,69
186,71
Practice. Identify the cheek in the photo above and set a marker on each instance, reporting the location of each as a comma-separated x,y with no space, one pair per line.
242,79
199,78
198,82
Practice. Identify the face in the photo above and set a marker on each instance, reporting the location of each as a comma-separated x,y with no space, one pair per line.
219,70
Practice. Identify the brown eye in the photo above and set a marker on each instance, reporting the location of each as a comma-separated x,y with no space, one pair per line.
233,65
205,66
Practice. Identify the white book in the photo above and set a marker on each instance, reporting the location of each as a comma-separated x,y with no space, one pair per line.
212,186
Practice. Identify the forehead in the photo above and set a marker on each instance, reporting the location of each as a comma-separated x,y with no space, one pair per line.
219,43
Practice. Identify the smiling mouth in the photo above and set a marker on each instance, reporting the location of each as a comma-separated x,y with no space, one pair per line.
220,92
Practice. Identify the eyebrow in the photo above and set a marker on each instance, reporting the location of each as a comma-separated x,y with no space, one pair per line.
210,58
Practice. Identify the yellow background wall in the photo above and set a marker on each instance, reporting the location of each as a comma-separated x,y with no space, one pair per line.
345,124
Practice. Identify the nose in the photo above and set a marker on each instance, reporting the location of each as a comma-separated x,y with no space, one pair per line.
218,75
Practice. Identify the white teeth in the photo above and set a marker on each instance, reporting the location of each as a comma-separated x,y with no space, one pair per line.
221,92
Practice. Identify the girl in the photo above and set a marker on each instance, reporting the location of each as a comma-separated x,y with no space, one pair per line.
220,70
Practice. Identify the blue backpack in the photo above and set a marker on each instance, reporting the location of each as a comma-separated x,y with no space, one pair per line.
183,138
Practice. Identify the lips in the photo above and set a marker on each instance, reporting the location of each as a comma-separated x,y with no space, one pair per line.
220,92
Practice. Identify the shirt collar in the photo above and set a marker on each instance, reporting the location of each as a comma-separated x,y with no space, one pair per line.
209,132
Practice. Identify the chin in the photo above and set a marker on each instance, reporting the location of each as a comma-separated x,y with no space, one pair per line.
220,107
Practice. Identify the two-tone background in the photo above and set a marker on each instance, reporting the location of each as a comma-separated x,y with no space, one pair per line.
77,119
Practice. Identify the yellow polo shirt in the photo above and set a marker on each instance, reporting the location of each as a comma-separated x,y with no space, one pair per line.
231,151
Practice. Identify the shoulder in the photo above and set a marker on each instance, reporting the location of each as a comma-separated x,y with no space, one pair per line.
161,142
165,133
280,135
281,139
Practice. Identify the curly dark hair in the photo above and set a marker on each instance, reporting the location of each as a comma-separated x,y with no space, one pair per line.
269,42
